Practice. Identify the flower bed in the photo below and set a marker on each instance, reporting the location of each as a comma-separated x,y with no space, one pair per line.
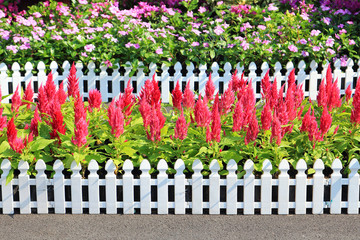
103,33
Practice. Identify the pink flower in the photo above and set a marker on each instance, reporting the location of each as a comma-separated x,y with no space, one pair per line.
276,130
215,121
81,132
61,94
252,130
348,92
15,143
238,117
177,97
89,47
293,48
12,48
34,123
266,117
227,99
16,101
57,121
128,100
202,113
209,89
43,103
202,9
28,96
159,51
73,83
351,42
355,112
95,99
181,128
116,120
325,122
157,121
79,109
188,97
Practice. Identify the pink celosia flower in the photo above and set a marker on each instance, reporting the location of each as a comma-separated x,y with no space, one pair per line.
252,130
215,121
306,121
334,96
157,121
81,132
16,144
144,109
355,112
238,117
57,121
265,85
50,88
177,97
273,96
181,128
227,99
209,89
208,134
276,130
28,96
89,47
79,109
188,97
325,122
95,99
322,95
61,94
202,113
3,120
35,122
73,82
266,117
348,93
15,101
116,119
151,92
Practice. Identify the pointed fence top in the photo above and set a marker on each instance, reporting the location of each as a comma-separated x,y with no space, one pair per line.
284,166
23,166
354,166
214,167
231,166
41,66
58,166
227,67
301,165
267,167
319,166
162,165
40,165
249,167
28,66
336,165
145,166
302,65
5,165
3,67
179,166
110,167
93,166
75,167
128,166
197,166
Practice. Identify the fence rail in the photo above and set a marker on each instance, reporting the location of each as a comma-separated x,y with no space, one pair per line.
163,195
110,85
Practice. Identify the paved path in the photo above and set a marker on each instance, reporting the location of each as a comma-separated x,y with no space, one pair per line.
179,227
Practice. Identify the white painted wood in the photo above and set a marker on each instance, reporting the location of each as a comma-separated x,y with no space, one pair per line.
59,187
318,187
337,73
277,74
91,76
177,74
104,83
128,188
116,79
179,187
266,188
336,187
79,74
41,75
353,189
240,69
94,193
252,75
289,68
53,69
301,76
41,187
162,188
28,74
214,187
110,188
145,187
197,187
313,80
190,74
283,191
215,75
66,67
24,188
4,82
203,78
227,75
231,188
349,74
76,189
6,189
16,77
249,187
165,83
300,189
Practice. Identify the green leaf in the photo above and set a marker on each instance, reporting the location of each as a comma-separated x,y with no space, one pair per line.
10,176
40,143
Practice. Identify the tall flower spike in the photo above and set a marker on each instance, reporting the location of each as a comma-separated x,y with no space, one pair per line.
145,110
17,144
325,122
28,96
128,100
118,123
43,103
216,121
73,82
94,99
265,85
238,117
266,117
202,113
156,94
50,88
252,130
355,112
322,97
177,97
61,94
227,100
188,97
181,127
334,96
3,120
273,96
15,101
209,89
34,123
348,93
306,121
81,132
79,109
57,122
276,130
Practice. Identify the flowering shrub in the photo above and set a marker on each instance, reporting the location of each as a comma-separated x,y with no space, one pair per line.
282,125
99,31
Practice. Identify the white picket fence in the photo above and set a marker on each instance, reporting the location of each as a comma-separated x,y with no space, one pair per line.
247,187
110,85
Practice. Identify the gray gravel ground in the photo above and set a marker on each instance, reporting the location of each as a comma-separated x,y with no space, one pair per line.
179,227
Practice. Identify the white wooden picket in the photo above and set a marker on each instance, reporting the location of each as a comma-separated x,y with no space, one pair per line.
12,75
78,202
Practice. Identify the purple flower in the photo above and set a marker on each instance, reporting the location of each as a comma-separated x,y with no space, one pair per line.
326,20
303,41
231,45
190,14
84,54
329,50
350,22
136,46
342,31
343,60
89,47
159,51
330,42
202,9
316,48
245,45
108,63
206,44
123,33
83,2
129,44
340,25
194,44
351,42
261,27
218,30
266,19
304,54
272,7
12,48
315,32
182,39
293,48
164,19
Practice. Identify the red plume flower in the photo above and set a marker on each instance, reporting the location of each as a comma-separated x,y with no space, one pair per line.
145,110
128,100
238,117
28,96
266,117
208,134
188,97
355,112
325,122
79,109
276,130
322,97
16,101
116,119
177,97
181,127
265,85
306,121
334,96
157,121
57,121
252,130
202,113
50,87
73,82
227,99
3,120
151,92
209,89
34,123
17,144
95,99
81,132
216,121
61,94
348,93
273,96
43,103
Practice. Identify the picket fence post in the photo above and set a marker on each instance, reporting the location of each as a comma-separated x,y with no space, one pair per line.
335,205
179,187
283,193
128,187
197,187
162,187
353,189
6,189
318,187
214,188
266,188
24,188
300,190
145,187
59,187
231,188
110,188
41,187
76,189
94,196
249,187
